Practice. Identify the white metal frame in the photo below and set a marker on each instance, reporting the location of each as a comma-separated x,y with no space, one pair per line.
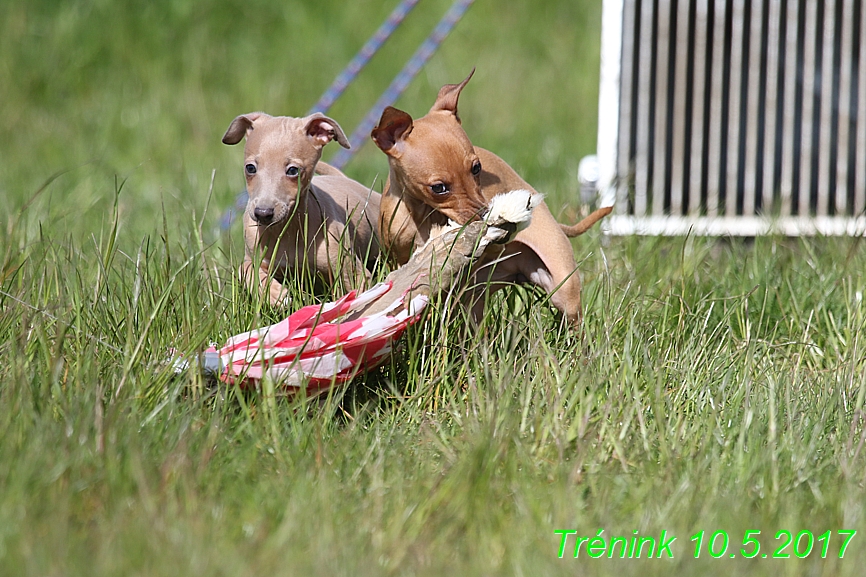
655,216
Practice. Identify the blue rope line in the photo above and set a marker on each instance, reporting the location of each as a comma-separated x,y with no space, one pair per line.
402,80
229,215
350,72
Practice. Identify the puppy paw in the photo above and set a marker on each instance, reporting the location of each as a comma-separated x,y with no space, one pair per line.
278,295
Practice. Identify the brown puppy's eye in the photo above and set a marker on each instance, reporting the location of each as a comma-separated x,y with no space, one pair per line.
439,188
251,169
292,171
476,168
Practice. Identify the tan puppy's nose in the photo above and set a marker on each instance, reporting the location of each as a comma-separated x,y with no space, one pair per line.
263,215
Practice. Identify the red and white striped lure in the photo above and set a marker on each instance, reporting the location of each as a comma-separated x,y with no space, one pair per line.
317,346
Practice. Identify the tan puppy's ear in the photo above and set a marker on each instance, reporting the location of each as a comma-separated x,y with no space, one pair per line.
394,126
323,130
448,95
240,126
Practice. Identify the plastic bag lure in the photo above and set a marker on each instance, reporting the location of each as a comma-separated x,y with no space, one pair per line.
322,345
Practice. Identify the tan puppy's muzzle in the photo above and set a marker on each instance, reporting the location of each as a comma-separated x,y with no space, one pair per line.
263,215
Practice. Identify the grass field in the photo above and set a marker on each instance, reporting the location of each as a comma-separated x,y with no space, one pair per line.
719,386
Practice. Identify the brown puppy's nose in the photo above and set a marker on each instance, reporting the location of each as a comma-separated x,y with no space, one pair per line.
263,215
474,213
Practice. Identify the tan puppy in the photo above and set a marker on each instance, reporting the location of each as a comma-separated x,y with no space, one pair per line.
436,174
302,215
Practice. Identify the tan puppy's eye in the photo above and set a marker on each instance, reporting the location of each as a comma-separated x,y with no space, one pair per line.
439,188
476,168
293,171
251,169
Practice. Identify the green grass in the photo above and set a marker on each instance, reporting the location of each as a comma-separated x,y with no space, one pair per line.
718,385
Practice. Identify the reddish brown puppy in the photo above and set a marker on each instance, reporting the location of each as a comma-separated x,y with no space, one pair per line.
436,174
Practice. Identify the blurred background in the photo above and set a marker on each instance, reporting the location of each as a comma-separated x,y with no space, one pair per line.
99,95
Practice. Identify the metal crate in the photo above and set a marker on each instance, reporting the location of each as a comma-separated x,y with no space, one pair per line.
733,117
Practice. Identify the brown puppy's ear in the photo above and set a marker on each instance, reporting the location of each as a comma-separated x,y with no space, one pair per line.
448,95
323,130
240,126
394,126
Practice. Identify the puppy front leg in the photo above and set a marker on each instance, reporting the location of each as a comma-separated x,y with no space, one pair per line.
339,263
354,275
260,282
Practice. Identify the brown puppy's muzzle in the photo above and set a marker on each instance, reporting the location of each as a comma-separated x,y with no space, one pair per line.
473,209
477,214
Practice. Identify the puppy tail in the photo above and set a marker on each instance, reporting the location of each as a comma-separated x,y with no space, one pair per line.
586,224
